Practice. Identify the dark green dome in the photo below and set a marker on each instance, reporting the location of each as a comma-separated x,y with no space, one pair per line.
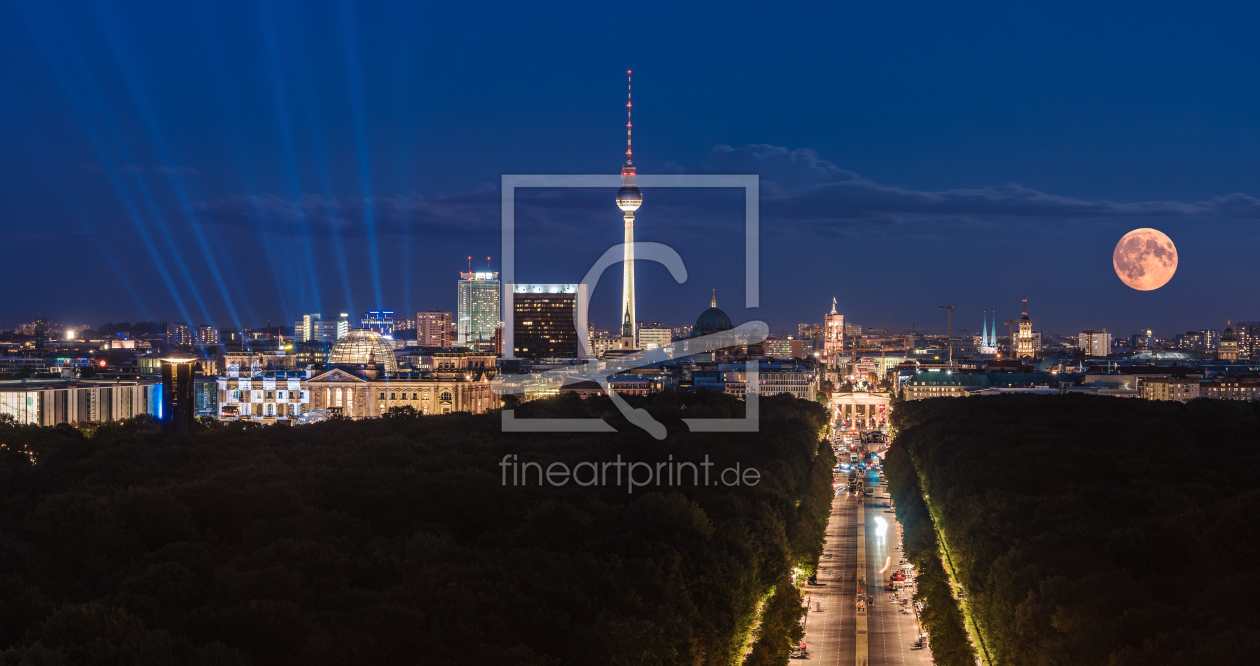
711,321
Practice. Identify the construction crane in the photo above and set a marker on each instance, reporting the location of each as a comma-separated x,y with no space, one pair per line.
950,310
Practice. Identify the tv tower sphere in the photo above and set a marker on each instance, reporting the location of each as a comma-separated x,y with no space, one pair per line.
629,198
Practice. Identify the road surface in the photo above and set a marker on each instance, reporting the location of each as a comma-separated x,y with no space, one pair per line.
830,633
892,633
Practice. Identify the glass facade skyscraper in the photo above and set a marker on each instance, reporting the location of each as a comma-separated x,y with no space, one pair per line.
478,307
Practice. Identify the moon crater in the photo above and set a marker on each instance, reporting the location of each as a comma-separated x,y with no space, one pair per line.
1145,259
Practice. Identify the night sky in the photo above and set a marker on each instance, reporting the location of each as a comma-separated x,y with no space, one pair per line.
237,162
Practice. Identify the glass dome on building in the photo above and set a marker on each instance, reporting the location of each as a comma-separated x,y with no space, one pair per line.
360,347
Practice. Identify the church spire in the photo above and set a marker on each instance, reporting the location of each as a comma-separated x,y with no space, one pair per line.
713,301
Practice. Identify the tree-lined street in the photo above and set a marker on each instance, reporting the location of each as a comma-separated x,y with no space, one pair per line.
832,622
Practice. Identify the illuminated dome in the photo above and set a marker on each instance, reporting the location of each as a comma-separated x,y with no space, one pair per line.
360,347
629,198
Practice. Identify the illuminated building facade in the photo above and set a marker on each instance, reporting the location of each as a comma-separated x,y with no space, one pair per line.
833,335
52,402
275,395
1095,343
653,338
304,327
381,321
314,328
1228,351
1025,345
477,307
544,320
435,329
1248,333
207,335
180,334
457,381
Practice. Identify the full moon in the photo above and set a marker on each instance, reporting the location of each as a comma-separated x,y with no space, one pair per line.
1145,259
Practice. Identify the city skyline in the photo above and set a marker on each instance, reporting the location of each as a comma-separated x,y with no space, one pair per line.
300,174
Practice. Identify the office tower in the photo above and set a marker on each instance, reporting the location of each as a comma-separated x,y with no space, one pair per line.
323,331
1143,340
1248,333
477,307
544,320
309,322
343,325
629,198
652,338
178,395
1202,340
810,332
179,334
1095,343
207,335
381,321
776,347
435,329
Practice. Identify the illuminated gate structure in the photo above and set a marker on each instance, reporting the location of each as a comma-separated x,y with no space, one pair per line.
860,410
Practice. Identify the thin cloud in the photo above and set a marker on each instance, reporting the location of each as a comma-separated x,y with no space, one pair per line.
472,212
799,191
801,187
158,169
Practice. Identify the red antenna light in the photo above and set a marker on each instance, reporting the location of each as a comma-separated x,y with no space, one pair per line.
470,263
629,153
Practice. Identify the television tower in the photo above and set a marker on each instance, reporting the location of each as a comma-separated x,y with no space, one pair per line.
628,200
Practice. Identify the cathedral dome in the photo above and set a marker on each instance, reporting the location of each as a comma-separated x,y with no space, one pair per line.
1228,334
711,321
361,347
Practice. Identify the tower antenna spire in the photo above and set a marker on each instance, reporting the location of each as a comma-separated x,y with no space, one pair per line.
629,153
629,198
